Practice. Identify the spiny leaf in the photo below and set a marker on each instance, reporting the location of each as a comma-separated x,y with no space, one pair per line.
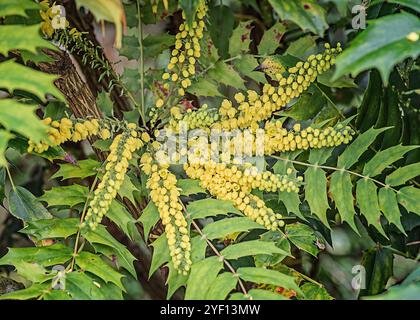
15,76
316,193
205,87
123,219
82,169
161,253
223,73
190,8
246,66
267,276
257,294
385,158
302,237
250,248
221,21
341,191
202,276
5,136
367,199
271,39
18,8
65,195
52,228
353,152
222,286
389,206
222,228
409,198
189,187
32,271
21,118
210,207
34,291
20,37
240,40
83,287
149,218
403,174
382,45
24,205
307,14
313,291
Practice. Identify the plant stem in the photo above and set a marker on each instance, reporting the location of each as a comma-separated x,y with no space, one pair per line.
10,178
141,70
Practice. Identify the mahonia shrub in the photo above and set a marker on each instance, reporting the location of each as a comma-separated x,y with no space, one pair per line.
233,150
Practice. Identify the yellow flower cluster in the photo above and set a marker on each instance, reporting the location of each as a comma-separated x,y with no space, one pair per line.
67,130
255,107
278,139
187,49
165,195
202,118
231,183
121,152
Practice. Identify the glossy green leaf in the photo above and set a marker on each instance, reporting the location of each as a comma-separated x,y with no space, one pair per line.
302,47
202,276
307,14
94,264
161,253
353,151
15,76
82,287
367,200
313,291
223,73
281,242
127,189
291,201
341,190
409,198
413,4
190,8
257,294
24,205
65,195
403,174
389,206
19,8
316,193
240,40
384,158
189,187
52,228
267,276
222,286
5,136
224,227
21,118
246,66
20,37
34,291
382,45
210,208
32,271
220,26
149,217
250,248
82,169
205,87
302,237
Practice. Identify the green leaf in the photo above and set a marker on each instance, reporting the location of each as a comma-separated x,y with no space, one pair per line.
281,242
302,237
389,206
32,271
367,199
34,291
341,190
161,253
271,39
240,40
24,205
313,291
316,193
302,47
57,295
83,169
403,174
18,8
5,136
224,227
413,4
257,294
16,76
127,189
221,21
202,276
223,73
409,198
149,218
155,44
65,195
123,219
82,287
222,286
382,45
378,263
20,37
305,13
326,78
21,118
45,256
205,87
267,276
353,151
385,158
246,66
102,237
52,228
210,208
190,8
250,248
94,264
291,201
189,187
